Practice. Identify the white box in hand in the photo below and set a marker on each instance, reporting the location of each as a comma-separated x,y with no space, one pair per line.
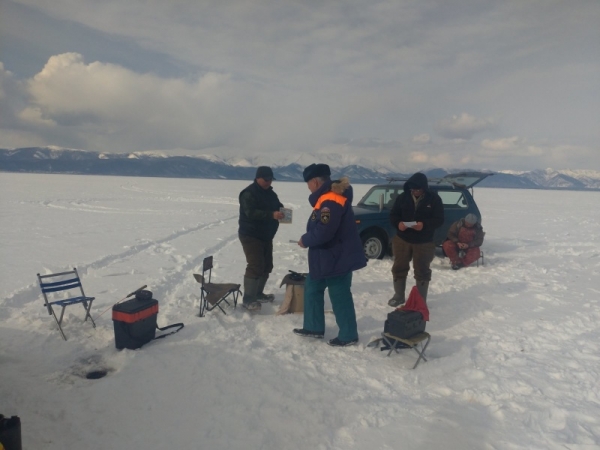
287,215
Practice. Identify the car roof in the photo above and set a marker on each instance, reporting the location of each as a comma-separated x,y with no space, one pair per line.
461,180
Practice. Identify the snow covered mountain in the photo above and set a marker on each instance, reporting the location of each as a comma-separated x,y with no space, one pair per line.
381,165
287,167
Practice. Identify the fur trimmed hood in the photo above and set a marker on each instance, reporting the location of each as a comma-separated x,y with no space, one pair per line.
341,185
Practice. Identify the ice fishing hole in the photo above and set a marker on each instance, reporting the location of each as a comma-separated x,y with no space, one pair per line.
96,374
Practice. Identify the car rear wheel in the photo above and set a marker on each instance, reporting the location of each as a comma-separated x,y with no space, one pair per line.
373,245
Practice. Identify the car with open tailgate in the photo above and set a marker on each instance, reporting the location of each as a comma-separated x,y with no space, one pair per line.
372,212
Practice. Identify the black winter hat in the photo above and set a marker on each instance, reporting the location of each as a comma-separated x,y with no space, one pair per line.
316,170
265,173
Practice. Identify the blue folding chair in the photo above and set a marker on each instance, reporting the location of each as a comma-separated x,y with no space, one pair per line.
64,289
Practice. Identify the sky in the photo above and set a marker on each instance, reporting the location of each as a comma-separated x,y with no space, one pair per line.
499,85
513,362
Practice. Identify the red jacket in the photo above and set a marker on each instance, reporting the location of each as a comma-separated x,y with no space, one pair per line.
473,236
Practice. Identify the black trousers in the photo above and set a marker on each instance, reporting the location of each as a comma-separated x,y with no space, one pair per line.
259,257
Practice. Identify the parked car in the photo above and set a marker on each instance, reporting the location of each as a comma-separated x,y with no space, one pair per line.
372,212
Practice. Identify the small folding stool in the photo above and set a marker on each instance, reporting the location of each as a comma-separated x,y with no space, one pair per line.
212,294
397,344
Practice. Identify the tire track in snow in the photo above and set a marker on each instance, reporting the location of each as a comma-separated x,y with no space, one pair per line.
32,292
87,208
176,196
172,282
110,259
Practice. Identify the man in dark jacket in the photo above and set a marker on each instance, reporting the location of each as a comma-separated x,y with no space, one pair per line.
258,223
416,213
334,252
464,239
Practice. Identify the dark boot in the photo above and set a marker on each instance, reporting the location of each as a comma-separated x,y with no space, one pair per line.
399,293
250,290
422,287
260,295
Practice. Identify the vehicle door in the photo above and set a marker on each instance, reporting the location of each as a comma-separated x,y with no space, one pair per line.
462,180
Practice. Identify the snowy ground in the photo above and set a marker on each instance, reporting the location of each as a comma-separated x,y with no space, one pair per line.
514,360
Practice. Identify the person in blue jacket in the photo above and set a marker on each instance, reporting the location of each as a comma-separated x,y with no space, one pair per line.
334,252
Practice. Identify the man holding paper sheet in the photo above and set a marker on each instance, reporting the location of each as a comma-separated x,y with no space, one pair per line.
416,213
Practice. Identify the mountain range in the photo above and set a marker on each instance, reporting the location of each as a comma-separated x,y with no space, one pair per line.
286,167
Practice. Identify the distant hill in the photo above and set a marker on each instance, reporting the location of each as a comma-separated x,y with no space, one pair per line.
286,167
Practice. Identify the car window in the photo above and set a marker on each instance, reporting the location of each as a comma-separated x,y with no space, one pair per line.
371,198
453,199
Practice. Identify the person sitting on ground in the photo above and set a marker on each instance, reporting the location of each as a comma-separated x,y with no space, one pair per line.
464,239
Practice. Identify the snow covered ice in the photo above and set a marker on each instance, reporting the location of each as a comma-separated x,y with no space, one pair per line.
514,359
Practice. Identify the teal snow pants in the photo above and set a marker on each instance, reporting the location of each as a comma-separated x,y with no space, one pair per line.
341,301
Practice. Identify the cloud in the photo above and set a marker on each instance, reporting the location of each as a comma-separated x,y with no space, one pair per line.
421,139
422,160
502,145
105,105
463,126
71,92
512,146
284,76
535,154
12,97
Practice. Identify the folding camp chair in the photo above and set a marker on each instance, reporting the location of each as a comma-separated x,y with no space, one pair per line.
393,343
212,294
478,259
65,289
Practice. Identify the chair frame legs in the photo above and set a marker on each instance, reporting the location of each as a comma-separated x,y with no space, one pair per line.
407,343
86,305
481,258
220,291
204,305
59,321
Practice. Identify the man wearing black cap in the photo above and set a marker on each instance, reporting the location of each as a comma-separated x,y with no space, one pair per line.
258,223
464,239
415,215
334,252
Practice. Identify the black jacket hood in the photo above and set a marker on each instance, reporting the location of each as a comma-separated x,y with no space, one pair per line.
417,181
